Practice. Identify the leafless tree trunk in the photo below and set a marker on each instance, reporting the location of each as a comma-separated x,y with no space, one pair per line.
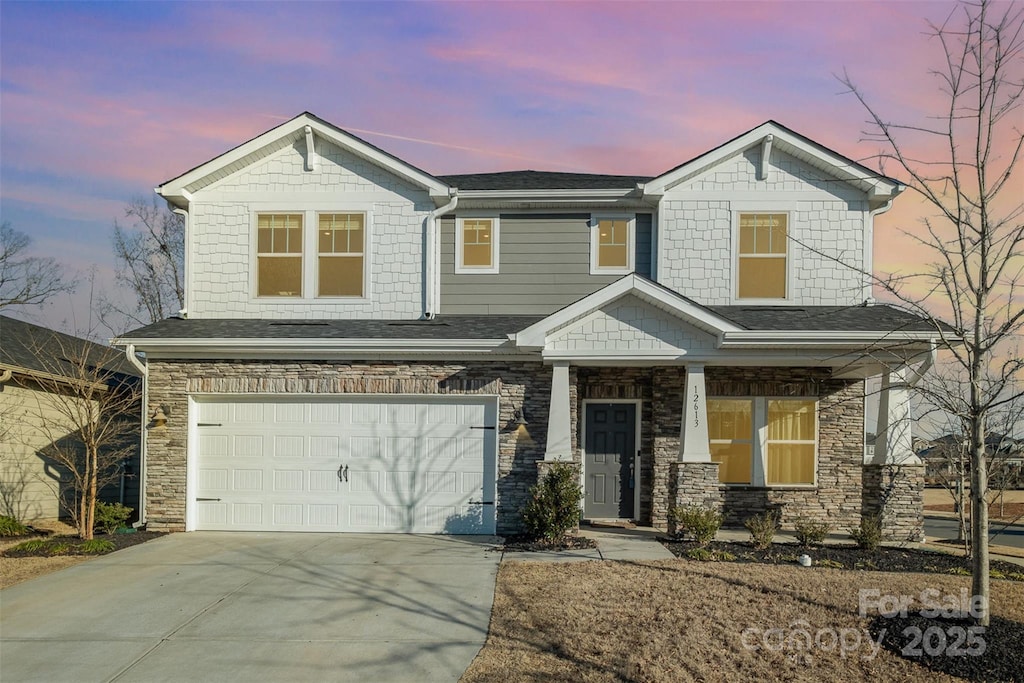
86,406
27,280
961,162
150,255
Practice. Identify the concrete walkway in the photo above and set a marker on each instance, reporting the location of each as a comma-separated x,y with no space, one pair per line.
253,607
634,545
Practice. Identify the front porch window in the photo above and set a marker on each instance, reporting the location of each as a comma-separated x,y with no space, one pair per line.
763,441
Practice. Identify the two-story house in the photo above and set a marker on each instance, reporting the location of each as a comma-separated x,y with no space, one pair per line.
368,347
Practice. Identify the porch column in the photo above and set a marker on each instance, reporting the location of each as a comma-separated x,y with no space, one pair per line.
693,436
894,442
559,443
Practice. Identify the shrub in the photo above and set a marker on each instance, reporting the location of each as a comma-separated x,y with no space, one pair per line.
58,548
708,555
9,526
831,564
699,523
554,505
762,528
111,516
35,545
96,546
868,536
810,533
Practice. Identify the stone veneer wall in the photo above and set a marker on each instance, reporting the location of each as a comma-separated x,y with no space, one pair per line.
896,493
519,449
837,497
695,483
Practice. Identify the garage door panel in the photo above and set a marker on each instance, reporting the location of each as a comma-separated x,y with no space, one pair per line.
407,465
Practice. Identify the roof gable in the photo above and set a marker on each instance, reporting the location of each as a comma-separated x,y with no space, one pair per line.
294,132
791,143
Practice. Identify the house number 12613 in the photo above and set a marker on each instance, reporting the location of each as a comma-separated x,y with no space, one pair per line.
696,407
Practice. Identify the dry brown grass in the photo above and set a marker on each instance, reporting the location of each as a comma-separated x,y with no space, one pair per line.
682,621
17,569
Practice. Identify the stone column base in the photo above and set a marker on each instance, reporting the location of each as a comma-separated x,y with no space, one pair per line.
695,483
896,494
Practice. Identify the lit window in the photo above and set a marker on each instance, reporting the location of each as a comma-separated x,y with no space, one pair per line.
792,435
279,255
340,252
730,429
476,248
762,256
611,245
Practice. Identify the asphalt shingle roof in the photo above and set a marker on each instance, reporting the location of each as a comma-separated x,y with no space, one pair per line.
40,349
541,180
824,318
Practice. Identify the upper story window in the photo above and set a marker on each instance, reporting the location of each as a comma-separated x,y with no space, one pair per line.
612,240
476,245
762,256
340,254
764,441
279,255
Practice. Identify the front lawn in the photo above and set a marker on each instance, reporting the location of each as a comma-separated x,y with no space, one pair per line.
682,621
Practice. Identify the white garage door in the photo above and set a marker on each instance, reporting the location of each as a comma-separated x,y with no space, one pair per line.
375,465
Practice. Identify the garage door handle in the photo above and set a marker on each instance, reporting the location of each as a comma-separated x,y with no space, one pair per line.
343,473
479,502
485,427
207,499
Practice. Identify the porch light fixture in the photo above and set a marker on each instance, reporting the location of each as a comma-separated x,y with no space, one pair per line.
519,417
159,418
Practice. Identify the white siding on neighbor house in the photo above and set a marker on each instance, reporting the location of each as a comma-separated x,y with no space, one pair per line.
221,278
826,230
631,325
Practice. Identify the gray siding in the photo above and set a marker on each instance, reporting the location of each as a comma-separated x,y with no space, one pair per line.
544,265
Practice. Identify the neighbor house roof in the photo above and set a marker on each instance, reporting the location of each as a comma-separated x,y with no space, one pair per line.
33,348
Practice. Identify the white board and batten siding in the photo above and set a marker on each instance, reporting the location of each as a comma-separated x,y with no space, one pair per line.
369,464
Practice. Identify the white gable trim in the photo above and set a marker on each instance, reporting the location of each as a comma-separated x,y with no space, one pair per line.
308,126
841,167
537,334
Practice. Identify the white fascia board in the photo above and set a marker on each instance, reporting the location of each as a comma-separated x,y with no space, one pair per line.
437,189
549,195
791,357
840,165
770,338
292,345
535,336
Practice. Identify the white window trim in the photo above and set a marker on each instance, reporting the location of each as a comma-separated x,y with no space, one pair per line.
366,264
256,256
767,207
310,213
595,223
495,245
759,458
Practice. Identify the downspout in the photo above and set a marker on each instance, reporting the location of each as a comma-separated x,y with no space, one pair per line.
925,366
6,375
184,213
869,243
432,265
129,353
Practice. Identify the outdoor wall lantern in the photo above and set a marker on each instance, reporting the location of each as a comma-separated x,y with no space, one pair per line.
519,417
159,418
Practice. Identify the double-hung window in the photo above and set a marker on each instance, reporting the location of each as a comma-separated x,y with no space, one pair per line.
612,243
476,245
279,254
340,254
764,441
762,256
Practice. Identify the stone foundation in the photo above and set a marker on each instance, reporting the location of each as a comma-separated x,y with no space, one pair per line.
896,493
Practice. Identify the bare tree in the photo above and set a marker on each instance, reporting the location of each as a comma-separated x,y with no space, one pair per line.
27,280
963,171
85,408
150,255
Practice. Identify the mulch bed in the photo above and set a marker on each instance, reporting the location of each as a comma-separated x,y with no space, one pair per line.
525,544
848,557
955,646
53,546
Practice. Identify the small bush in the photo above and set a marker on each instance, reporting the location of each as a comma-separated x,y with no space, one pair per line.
868,536
111,516
9,526
554,505
708,555
96,546
810,533
58,548
699,523
35,545
762,529
830,564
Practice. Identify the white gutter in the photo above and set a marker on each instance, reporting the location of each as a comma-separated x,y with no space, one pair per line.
360,345
432,260
129,353
755,338
6,375
550,195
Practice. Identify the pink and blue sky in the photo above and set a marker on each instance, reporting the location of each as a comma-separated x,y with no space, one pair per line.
100,102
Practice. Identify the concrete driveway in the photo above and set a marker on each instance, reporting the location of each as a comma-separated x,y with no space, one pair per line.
211,606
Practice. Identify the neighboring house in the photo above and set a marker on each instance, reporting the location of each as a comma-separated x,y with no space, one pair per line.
39,372
368,347
946,457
